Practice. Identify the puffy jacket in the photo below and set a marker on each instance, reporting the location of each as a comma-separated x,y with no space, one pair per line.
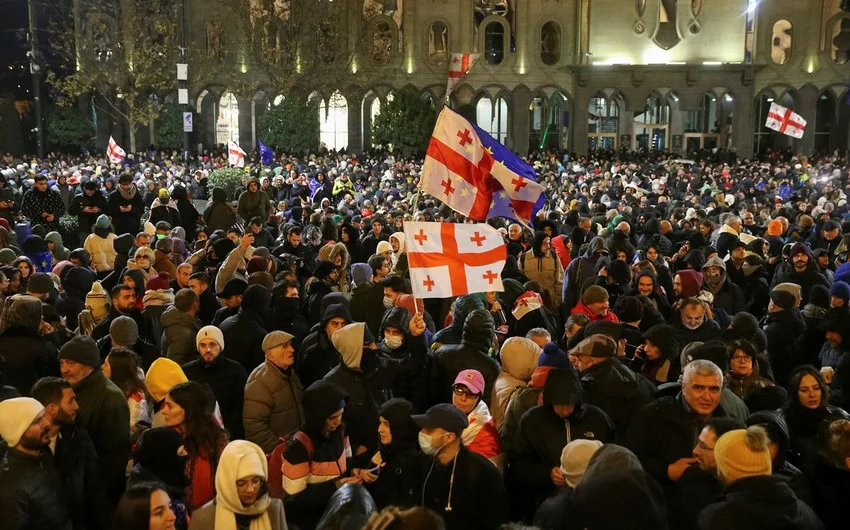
471,353
226,378
102,251
617,390
519,360
543,268
244,332
178,336
31,496
272,408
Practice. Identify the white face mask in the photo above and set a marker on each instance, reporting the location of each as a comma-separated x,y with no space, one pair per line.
393,341
388,302
426,443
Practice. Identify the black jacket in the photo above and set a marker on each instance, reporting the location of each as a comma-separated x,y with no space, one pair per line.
367,305
617,390
32,496
28,357
754,503
317,356
409,361
244,332
830,491
313,303
226,378
783,329
86,220
209,306
77,463
806,279
129,222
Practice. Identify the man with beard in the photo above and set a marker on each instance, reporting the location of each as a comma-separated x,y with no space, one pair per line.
126,206
43,206
800,269
692,324
74,454
123,303
31,497
828,238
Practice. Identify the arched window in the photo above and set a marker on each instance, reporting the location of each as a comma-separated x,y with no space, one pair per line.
825,116
654,112
493,117
382,43
227,123
333,119
438,42
603,117
494,43
650,129
326,43
702,126
550,43
781,42
841,41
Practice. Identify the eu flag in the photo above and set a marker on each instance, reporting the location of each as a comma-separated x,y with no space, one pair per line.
266,153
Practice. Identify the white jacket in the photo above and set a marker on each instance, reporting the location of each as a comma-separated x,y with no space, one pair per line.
102,252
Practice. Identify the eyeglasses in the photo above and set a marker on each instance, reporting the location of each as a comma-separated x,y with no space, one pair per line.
742,358
461,390
703,446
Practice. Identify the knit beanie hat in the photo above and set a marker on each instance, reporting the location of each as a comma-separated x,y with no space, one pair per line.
160,282
210,332
124,331
783,299
81,349
257,264
594,294
361,273
162,376
743,453
774,228
554,357
575,457
98,301
819,296
838,290
16,416
628,309
7,256
102,222
41,283
384,246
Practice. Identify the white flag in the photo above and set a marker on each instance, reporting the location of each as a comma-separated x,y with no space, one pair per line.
783,120
449,259
114,152
460,64
235,154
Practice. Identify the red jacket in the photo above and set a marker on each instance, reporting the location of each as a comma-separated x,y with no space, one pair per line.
583,309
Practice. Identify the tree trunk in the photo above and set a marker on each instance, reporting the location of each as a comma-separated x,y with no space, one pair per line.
132,136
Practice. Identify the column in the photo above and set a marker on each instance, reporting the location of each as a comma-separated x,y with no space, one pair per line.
246,125
518,120
578,120
355,121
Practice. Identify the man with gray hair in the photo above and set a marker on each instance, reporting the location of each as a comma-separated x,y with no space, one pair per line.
664,433
728,233
539,336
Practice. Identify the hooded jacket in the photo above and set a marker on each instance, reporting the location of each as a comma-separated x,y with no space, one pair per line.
727,295
691,283
317,354
29,357
82,200
76,284
408,362
667,367
60,253
126,222
617,390
179,330
244,332
473,352
579,271
102,252
253,204
397,481
519,357
219,215
462,307
543,268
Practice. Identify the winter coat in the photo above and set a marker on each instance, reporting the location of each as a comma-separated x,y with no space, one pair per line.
728,296
452,334
519,360
188,214
579,271
35,203
245,331
72,300
102,329
86,220
830,491
617,390
28,357
178,336
272,407
727,236
105,415
317,355
77,463
544,269
398,478
219,215
226,378
783,329
162,263
167,212
806,279
408,362
471,353
755,503
253,204
129,222
523,400
60,253
744,386
709,330
313,303
32,494
102,251
367,305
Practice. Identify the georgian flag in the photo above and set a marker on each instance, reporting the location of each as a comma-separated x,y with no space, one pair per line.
526,303
448,259
114,152
783,120
459,65
235,154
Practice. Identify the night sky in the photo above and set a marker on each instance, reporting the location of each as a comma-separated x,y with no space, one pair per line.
13,24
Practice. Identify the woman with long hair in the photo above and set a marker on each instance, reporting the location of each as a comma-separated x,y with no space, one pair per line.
144,506
123,367
242,498
26,268
189,409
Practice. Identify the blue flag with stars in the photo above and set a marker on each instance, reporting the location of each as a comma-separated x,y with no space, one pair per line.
42,261
266,153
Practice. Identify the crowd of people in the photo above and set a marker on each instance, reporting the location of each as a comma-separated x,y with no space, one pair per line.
671,348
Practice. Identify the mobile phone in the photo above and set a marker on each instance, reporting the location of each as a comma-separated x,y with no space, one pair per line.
375,470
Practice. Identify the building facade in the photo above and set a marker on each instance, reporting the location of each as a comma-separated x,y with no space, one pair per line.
677,75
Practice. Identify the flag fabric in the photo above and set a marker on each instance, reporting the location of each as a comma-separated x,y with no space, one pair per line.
114,152
459,65
526,303
266,153
783,120
475,175
235,154
450,259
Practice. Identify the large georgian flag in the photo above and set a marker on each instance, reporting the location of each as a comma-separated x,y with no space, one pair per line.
235,154
114,152
448,259
475,175
459,65
783,120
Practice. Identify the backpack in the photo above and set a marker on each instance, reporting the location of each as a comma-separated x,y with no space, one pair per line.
275,461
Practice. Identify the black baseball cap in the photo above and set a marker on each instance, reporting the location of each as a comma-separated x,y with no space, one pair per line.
233,287
443,416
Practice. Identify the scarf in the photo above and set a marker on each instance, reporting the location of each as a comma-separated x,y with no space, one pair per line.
240,459
479,416
158,297
127,195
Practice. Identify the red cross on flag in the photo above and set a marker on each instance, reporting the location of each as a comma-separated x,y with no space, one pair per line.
235,154
459,65
448,259
526,303
783,120
114,151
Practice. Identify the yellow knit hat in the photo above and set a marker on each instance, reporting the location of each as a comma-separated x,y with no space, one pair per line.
162,376
743,453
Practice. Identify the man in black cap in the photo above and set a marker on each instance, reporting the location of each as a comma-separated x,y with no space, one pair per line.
463,487
231,298
103,412
828,239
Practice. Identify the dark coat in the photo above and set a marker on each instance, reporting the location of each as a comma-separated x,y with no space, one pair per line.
244,332
315,293
32,494
86,220
77,463
754,503
28,357
72,300
783,329
617,390
806,279
272,406
367,306
830,491
129,222
226,378
317,355
409,361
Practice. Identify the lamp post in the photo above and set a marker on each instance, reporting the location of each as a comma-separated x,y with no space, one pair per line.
35,70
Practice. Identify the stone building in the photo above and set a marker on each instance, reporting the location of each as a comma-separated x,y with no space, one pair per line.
676,75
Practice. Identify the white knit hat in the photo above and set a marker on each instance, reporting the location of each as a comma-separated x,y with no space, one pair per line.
16,416
575,457
210,332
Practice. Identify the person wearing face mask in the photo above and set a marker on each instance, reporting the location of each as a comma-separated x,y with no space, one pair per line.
461,486
727,295
402,348
164,209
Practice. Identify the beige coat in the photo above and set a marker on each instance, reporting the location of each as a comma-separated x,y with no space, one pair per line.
204,517
519,359
101,251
